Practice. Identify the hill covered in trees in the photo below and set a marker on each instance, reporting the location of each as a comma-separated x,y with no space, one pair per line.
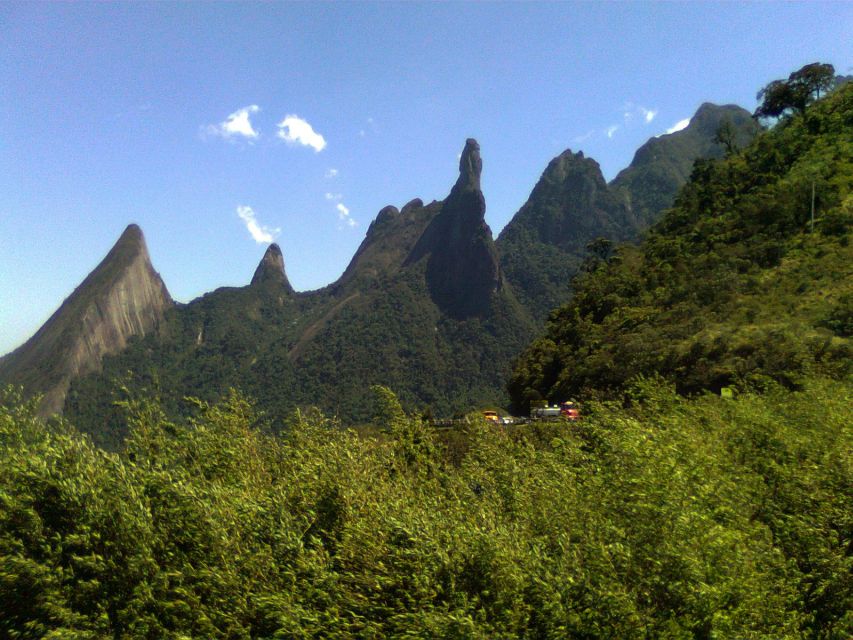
571,206
736,285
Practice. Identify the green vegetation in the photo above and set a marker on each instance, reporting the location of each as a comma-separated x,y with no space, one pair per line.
708,518
802,87
312,351
666,512
544,245
736,286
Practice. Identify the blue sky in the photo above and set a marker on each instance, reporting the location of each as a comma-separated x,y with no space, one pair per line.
200,120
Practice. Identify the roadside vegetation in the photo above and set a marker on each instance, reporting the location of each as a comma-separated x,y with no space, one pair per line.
668,519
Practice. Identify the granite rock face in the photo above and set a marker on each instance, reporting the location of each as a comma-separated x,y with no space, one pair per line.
271,269
123,297
462,267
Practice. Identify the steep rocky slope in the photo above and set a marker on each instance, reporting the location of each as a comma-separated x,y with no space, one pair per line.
123,297
422,308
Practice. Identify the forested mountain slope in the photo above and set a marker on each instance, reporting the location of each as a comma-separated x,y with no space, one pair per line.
430,305
734,286
422,308
571,206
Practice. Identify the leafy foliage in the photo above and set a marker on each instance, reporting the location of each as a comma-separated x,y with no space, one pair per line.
802,87
672,519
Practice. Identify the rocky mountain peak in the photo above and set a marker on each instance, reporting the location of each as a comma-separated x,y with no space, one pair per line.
462,267
470,167
271,269
132,234
122,297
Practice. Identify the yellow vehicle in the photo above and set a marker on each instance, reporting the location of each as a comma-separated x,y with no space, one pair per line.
492,416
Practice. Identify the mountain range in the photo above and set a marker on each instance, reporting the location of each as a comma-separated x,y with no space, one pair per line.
430,305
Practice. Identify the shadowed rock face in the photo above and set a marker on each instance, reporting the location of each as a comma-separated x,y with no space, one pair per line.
462,262
271,269
121,298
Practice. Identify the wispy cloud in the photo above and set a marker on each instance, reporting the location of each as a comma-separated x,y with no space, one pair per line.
611,130
333,196
678,126
332,173
236,125
294,130
343,214
259,233
632,111
648,114
584,137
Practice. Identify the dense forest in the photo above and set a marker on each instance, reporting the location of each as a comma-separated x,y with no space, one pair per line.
668,511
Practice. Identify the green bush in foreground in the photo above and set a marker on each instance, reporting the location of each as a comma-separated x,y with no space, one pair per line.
707,518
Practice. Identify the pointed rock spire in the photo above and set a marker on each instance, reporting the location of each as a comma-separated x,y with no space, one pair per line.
271,269
462,268
470,167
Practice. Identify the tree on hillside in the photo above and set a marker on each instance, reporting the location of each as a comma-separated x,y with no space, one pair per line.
727,136
802,87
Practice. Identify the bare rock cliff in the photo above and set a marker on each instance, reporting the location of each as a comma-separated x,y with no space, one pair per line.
271,269
462,270
121,298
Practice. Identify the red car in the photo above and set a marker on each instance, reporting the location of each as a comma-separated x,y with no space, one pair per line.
570,411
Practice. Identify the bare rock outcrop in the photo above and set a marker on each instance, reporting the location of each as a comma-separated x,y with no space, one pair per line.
462,262
271,269
123,297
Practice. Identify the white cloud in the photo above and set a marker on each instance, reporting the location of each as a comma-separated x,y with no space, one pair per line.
295,130
343,214
237,124
648,114
613,128
332,173
259,233
333,196
678,126
584,137
632,110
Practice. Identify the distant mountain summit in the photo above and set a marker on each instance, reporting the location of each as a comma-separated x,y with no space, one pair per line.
123,297
545,243
663,164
